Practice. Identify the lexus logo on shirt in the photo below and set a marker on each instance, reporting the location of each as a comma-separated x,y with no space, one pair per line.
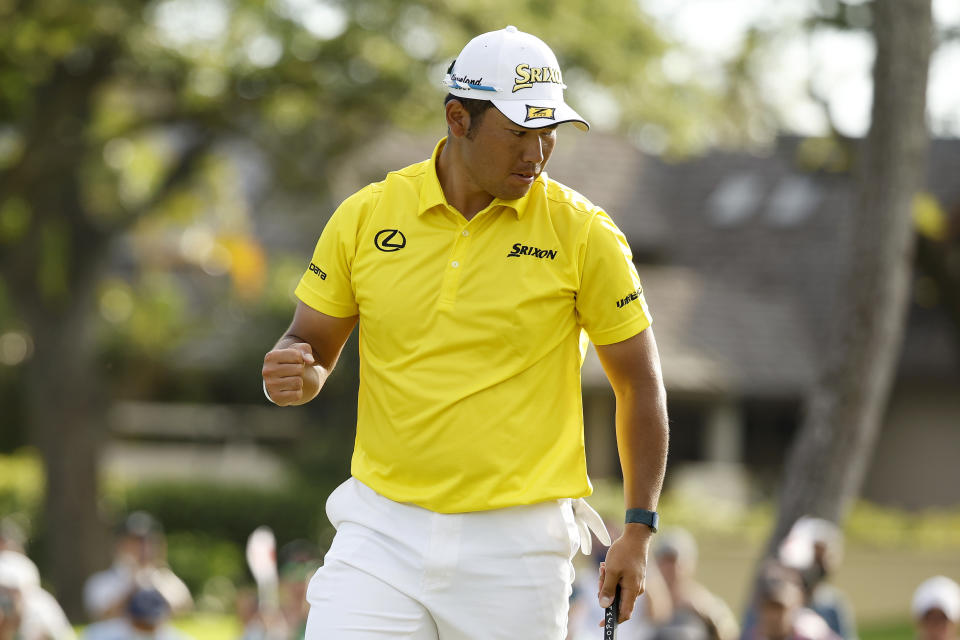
390,240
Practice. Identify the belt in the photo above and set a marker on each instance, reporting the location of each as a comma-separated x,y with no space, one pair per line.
588,520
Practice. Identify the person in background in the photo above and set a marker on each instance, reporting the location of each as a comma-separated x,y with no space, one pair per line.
40,615
683,626
936,609
139,562
10,610
779,611
675,552
814,548
12,536
145,617
298,561
247,608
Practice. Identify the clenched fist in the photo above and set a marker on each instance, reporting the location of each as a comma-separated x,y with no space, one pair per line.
290,374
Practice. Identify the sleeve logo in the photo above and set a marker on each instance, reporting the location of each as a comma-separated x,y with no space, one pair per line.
318,271
540,112
630,297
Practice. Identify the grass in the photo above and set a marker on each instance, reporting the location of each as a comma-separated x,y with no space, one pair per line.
210,626
890,630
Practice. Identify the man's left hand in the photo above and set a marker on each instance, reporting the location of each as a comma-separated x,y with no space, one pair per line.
626,564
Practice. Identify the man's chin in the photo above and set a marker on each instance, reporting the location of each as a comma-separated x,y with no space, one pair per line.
513,192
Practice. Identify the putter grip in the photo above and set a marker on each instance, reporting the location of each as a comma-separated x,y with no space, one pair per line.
610,616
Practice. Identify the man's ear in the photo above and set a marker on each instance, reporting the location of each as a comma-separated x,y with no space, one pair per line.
458,120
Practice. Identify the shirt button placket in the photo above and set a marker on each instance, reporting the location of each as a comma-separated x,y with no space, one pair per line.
460,248
452,276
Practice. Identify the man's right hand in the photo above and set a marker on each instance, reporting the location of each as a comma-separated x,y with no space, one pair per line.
290,374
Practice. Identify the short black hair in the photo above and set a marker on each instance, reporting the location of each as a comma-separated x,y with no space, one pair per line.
476,109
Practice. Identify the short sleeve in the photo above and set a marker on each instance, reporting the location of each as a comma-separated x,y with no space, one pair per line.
326,285
610,302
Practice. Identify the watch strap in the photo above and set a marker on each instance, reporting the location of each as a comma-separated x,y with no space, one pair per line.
643,516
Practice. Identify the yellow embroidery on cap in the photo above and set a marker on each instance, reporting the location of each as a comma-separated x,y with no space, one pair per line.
540,112
526,76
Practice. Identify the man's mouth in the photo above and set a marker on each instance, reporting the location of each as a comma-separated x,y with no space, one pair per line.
525,176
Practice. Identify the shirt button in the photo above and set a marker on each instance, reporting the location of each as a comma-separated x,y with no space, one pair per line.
454,264
465,233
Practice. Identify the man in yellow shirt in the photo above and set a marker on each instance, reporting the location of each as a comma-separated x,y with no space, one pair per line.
476,280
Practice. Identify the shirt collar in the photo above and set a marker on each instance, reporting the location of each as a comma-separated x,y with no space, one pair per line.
431,193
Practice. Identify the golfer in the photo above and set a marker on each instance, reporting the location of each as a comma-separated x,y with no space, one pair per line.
476,281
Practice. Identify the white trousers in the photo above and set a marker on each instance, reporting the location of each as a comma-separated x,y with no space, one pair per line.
398,571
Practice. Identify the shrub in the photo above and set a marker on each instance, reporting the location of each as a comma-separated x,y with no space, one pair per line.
230,512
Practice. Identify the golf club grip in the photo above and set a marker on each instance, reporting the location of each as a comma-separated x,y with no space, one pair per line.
610,616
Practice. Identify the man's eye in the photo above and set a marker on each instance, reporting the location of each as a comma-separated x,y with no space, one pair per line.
519,134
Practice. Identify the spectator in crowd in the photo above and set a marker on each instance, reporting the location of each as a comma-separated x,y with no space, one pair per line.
780,613
684,625
139,562
10,610
814,548
936,609
12,536
145,617
39,614
298,561
675,552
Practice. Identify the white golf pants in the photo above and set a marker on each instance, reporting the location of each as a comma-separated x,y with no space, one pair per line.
398,571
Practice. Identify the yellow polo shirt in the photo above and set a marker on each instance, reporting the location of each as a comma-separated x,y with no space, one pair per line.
470,335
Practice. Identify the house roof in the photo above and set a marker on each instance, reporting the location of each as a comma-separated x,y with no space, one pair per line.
776,236
717,338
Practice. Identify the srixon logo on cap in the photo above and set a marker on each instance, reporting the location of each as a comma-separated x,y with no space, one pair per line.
527,76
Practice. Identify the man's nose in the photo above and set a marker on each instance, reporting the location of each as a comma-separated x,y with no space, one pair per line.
533,149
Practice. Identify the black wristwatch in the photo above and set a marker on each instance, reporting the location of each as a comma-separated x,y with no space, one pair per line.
644,516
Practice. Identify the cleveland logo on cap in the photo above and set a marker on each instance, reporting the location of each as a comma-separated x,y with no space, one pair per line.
526,77
540,112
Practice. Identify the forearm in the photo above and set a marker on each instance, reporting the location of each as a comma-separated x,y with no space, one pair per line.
633,367
642,438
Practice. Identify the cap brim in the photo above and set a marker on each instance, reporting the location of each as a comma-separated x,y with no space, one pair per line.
537,114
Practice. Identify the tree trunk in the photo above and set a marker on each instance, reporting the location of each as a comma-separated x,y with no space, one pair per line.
51,273
829,457
68,414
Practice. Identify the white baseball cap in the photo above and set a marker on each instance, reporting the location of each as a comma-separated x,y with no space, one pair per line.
17,571
797,549
518,73
939,592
